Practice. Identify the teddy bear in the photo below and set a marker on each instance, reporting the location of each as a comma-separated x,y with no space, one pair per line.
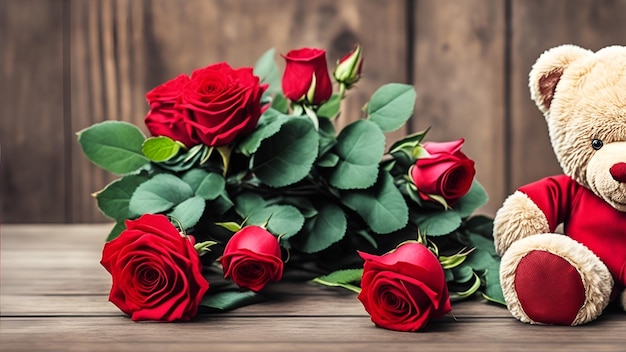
570,277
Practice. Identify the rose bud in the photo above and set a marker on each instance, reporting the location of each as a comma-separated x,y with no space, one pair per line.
306,77
165,118
252,258
348,69
156,272
405,288
224,103
447,172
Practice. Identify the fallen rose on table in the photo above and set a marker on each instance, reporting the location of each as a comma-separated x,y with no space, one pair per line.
250,165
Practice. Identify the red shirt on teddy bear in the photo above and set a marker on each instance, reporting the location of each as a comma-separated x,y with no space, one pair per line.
586,218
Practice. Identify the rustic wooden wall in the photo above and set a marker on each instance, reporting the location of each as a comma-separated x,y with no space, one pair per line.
65,64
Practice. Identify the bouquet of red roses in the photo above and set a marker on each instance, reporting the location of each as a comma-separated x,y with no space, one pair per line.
245,179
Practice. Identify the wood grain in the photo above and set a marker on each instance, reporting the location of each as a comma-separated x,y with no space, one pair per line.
537,26
53,297
459,76
34,163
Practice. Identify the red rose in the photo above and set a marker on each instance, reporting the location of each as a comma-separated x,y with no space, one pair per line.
156,272
306,76
165,118
224,103
252,258
403,289
447,172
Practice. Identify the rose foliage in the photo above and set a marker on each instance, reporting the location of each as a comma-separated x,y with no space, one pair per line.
252,164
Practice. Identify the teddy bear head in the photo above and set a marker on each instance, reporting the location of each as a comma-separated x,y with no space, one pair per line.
582,95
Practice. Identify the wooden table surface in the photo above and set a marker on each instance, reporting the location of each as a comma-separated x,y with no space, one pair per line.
54,298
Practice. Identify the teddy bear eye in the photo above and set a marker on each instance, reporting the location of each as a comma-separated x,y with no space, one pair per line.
596,144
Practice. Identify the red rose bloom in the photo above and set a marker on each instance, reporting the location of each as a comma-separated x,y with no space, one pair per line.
447,172
224,103
252,258
306,76
405,288
165,118
156,272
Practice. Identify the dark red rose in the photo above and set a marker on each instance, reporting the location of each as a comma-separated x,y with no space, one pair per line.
156,271
252,258
223,103
306,76
405,288
447,172
165,118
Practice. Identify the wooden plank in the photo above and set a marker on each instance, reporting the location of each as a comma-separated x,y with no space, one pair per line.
304,317
32,124
459,75
310,333
121,49
59,266
538,25
311,301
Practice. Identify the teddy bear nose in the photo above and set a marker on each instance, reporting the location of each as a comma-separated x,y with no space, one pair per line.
618,171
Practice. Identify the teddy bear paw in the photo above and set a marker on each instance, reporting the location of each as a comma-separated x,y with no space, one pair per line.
552,279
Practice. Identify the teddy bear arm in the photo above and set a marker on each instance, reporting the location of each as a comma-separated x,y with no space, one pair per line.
519,217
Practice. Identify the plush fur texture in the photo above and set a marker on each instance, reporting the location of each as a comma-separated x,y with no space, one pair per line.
582,95
596,278
518,218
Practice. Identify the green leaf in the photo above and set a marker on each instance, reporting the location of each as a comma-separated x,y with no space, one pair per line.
330,109
382,207
159,194
267,69
327,136
229,300
485,254
328,160
475,198
493,289
288,156
322,230
114,146
189,211
204,184
360,147
247,203
114,199
160,148
280,103
116,231
480,224
270,123
392,105
284,220
437,223
342,278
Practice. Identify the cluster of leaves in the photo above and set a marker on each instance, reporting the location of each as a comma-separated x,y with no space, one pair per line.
324,193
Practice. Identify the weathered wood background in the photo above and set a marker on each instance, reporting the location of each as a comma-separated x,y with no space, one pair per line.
66,64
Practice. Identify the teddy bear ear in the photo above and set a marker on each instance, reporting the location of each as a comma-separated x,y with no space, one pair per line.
547,70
